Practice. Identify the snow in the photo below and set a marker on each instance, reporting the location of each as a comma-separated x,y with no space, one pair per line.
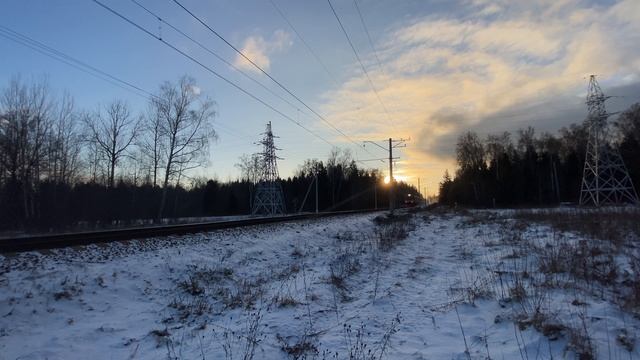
213,295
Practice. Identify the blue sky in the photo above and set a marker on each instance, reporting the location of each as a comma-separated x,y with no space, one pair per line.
446,67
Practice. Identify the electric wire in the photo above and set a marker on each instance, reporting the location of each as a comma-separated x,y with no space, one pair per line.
62,57
308,47
220,58
366,30
304,42
322,118
210,70
364,69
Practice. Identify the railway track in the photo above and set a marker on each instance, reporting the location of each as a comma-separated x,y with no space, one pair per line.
52,241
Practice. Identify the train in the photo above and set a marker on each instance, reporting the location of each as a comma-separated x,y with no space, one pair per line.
410,201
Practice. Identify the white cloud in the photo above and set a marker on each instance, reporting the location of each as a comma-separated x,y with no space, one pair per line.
259,50
196,89
449,74
518,37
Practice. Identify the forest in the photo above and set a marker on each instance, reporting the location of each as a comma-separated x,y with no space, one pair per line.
533,169
63,168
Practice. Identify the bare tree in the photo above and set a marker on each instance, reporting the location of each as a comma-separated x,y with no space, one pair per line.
526,140
25,128
113,133
249,166
310,168
574,141
94,161
498,146
186,129
628,123
4,155
151,143
64,143
470,153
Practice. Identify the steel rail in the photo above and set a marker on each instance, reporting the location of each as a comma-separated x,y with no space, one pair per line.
60,240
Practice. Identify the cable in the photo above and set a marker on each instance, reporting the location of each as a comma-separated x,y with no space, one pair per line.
333,78
263,71
344,31
210,70
48,51
214,54
366,30
83,66
326,69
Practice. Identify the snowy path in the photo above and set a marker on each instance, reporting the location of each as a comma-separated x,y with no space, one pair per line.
197,296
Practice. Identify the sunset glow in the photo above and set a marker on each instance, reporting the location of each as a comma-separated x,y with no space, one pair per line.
482,66
291,178
399,178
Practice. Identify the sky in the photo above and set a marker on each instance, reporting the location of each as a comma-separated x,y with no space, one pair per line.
434,69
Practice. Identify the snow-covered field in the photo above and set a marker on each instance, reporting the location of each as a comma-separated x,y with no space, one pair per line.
427,285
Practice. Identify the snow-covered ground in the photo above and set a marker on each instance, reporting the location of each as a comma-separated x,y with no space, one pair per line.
458,286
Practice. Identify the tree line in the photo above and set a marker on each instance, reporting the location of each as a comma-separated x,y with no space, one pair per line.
532,168
64,168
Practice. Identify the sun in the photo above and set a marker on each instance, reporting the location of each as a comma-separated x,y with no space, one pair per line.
398,178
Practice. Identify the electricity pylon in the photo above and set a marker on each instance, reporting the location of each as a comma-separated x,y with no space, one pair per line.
269,199
605,179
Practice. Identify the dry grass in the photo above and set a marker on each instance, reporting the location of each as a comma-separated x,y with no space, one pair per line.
584,253
617,225
303,348
391,229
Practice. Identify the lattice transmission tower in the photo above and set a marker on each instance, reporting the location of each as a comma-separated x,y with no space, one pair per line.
269,199
605,179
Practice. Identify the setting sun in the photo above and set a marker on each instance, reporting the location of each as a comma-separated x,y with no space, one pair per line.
296,178
399,178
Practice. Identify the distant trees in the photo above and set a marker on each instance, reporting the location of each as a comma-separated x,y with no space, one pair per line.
340,166
61,167
628,132
536,169
499,150
346,186
470,153
628,124
40,144
47,146
250,167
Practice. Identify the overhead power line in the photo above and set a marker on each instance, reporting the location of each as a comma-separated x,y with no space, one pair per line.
60,56
322,118
77,64
220,58
210,70
364,69
366,30
89,69
304,42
